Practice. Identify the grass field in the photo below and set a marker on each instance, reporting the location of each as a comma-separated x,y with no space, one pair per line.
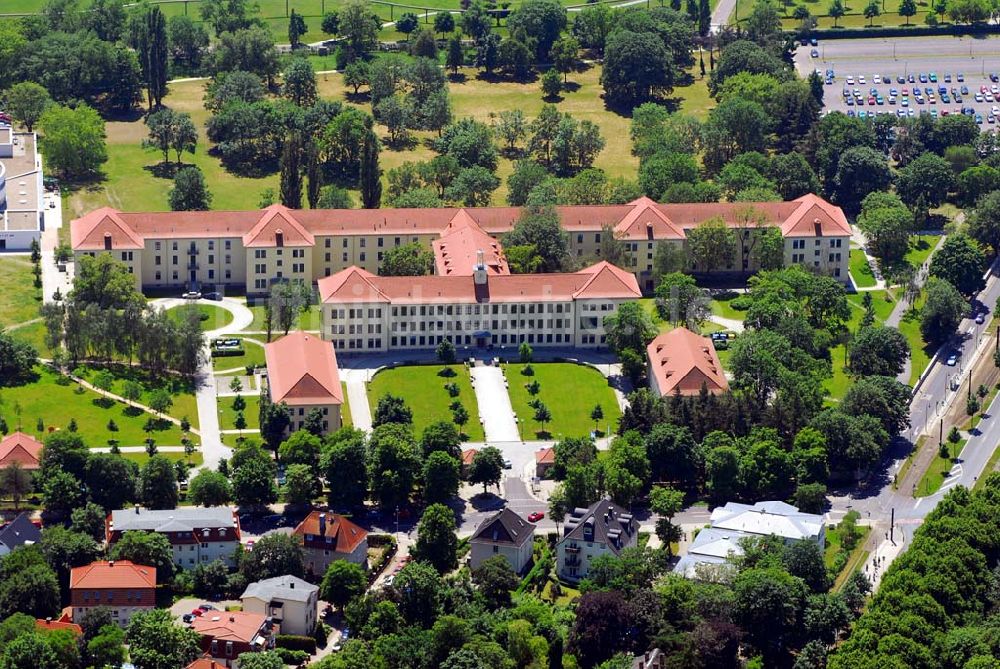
253,354
57,404
211,316
181,392
174,456
308,320
721,306
920,249
861,271
854,560
920,351
882,303
346,419
422,388
937,471
19,299
227,414
34,334
570,391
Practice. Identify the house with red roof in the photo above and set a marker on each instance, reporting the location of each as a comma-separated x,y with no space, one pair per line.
122,586
327,537
545,459
50,625
682,361
249,250
302,373
225,635
21,448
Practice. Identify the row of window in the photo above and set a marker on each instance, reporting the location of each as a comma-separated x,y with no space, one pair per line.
478,309
158,276
228,243
801,257
158,260
130,595
801,243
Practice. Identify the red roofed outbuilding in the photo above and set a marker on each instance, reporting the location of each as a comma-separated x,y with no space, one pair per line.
682,361
302,373
20,448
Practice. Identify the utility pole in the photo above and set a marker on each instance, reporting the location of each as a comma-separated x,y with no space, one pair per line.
892,525
940,433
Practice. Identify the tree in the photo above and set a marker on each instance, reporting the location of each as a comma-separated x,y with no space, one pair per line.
445,352
343,583
630,327
473,186
33,590
662,170
331,23
343,464
147,548
601,629
767,604
564,55
712,245
407,23
881,397
73,140
836,11
370,179
666,503
334,197
455,57
300,448
158,483
872,9
393,463
27,101
860,171
680,301
551,84
540,228
247,50
495,579
209,488
907,9
152,47
436,540
637,68
17,360
89,519
274,422
960,262
924,182
188,40
156,641
391,409
291,173
253,484
190,192
107,648
15,482
272,555
296,29
486,467
300,485
299,83
541,21
444,22
887,225
878,350
441,477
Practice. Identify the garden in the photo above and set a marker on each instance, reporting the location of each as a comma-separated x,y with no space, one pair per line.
845,552
210,316
559,399
252,354
431,392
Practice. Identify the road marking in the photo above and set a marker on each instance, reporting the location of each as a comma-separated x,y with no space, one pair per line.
919,500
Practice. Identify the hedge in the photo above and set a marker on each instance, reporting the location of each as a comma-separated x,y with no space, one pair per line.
292,657
904,31
296,642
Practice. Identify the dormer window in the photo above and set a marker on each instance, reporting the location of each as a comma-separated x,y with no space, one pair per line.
107,241
279,238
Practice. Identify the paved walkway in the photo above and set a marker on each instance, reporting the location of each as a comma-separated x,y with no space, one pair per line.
52,278
357,397
495,410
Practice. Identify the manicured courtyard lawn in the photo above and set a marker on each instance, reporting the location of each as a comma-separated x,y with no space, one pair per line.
227,415
938,470
920,351
422,388
920,249
211,316
174,456
19,299
346,419
861,271
722,306
253,354
308,320
882,303
57,404
570,391
181,392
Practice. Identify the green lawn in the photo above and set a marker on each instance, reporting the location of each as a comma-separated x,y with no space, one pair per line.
422,388
570,391
854,561
346,419
861,271
308,320
722,306
57,404
882,303
938,470
181,391
211,316
920,351
920,249
34,334
227,415
19,299
253,354
140,459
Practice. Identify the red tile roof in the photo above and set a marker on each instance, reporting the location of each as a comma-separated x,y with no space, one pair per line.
636,220
681,359
467,456
545,456
302,370
236,626
22,448
602,280
346,535
114,574
205,663
53,625
456,252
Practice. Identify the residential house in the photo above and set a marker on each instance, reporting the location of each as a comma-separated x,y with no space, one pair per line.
506,534
681,361
197,535
651,659
287,600
468,455
602,529
545,459
225,635
327,537
50,625
205,663
21,448
123,587
302,373
19,532
731,524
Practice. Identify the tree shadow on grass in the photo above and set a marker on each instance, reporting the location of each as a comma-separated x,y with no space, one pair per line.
167,170
103,402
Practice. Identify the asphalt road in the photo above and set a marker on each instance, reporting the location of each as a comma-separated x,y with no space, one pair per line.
974,58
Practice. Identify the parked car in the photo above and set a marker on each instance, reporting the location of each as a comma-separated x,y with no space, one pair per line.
535,517
980,318
188,618
814,53
952,360
212,296
191,295
507,464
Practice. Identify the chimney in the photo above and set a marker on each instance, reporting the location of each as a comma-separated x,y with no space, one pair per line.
111,563
49,620
479,271
232,619
322,524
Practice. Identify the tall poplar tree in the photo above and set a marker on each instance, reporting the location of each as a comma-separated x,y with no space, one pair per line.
371,173
153,51
291,174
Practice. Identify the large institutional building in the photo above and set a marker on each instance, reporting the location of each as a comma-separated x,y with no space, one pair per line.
22,212
472,299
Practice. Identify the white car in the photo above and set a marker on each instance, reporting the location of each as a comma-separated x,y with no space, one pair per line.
952,360
850,80
861,79
877,79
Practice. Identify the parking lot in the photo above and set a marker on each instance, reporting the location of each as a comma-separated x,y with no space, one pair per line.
939,76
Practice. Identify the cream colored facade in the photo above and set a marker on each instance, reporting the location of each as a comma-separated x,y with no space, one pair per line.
482,550
331,416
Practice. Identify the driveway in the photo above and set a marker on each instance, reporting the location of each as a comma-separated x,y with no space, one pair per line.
495,410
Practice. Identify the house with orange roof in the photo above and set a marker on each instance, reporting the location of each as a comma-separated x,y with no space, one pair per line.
225,635
327,537
119,585
545,459
50,625
302,373
21,448
205,663
250,250
682,361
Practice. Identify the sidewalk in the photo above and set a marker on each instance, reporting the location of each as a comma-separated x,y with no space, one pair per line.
495,410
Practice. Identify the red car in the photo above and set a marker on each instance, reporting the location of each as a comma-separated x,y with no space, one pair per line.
535,517
198,612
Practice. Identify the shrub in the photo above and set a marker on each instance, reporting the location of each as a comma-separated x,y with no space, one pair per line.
292,657
296,642
447,372
452,388
527,370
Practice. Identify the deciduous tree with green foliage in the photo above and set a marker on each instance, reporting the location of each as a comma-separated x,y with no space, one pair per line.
436,540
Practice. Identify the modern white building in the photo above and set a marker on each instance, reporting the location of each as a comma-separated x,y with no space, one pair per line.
731,524
506,534
22,207
287,600
602,529
197,535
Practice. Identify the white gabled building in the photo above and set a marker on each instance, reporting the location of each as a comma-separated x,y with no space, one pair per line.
197,535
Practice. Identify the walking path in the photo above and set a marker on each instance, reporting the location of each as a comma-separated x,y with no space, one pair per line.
902,306
118,398
495,410
52,278
357,397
